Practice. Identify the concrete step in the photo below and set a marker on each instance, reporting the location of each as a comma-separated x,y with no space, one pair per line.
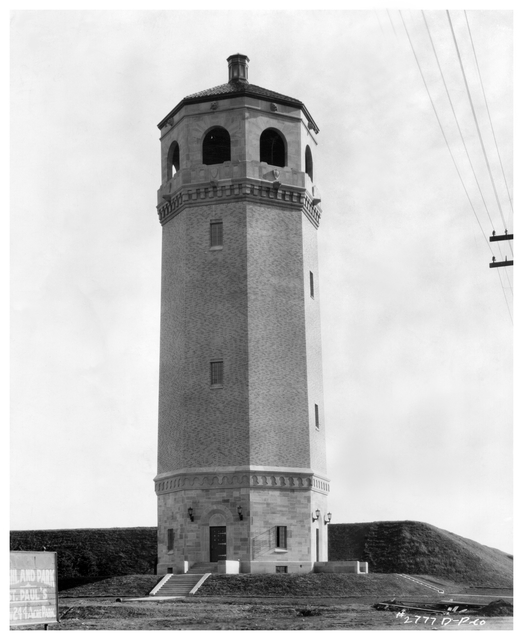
177,586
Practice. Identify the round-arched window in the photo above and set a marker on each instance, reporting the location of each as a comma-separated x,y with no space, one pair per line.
173,160
216,146
272,148
308,162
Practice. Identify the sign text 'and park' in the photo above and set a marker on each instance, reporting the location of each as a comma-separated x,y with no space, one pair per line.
33,588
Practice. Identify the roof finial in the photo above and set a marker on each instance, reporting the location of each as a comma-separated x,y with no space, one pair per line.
238,68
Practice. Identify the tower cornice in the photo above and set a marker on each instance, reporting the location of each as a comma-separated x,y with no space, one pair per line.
262,478
237,89
233,190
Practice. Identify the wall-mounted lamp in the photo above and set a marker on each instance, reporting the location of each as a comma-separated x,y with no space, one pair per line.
240,513
316,515
328,518
191,512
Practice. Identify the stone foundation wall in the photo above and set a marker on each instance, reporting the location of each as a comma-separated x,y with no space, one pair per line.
253,539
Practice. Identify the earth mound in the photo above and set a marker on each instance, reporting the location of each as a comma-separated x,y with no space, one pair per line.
496,608
94,552
417,548
408,547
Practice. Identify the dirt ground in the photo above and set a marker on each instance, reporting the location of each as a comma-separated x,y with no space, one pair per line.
236,613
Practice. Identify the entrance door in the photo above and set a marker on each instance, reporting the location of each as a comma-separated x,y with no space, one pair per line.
218,538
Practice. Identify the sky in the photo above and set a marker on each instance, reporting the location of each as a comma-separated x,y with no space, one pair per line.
417,330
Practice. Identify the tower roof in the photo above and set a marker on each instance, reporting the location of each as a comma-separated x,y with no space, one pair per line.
239,87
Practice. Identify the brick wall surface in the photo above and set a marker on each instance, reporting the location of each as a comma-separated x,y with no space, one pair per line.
204,317
277,351
317,436
249,305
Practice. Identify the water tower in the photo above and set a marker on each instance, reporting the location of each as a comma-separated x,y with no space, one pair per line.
241,446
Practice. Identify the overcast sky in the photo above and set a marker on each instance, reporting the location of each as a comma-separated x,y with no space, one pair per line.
417,329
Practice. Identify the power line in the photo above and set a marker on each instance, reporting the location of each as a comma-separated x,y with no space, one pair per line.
456,117
508,280
476,120
392,23
488,111
505,296
442,131
450,151
378,18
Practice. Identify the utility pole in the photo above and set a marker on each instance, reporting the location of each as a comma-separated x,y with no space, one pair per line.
502,263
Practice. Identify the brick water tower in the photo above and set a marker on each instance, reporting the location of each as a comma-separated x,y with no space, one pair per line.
241,446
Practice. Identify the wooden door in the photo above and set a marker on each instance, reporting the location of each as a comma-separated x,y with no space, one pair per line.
218,540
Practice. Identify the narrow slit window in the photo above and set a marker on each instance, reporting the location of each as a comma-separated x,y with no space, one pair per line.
217,234
308,162
311,280
170,539
281,537
317,416
217,373
173,160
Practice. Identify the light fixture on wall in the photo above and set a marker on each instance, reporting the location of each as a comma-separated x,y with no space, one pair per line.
328,518
240,512
191,512
316,515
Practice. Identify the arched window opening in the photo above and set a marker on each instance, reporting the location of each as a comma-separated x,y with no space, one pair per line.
216,146
272,148
173,160
308,162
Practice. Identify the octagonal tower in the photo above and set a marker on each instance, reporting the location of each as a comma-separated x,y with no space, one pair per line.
241,446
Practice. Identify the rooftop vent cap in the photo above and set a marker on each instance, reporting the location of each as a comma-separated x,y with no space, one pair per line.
238,68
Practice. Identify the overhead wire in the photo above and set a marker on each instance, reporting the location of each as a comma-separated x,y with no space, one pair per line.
491,124
476,120
457,121
392,23
442,130
378,18
450,151
494,137
488,111
455,116
484,152
505,295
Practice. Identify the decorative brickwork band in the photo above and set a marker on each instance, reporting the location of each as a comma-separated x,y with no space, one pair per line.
284,196
182,482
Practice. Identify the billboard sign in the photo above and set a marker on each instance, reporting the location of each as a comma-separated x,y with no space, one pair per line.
33,588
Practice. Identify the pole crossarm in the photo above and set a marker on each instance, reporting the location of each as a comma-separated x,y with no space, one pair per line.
506,236
503,263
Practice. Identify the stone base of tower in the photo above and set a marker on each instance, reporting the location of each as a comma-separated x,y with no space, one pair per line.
273,567
265,520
